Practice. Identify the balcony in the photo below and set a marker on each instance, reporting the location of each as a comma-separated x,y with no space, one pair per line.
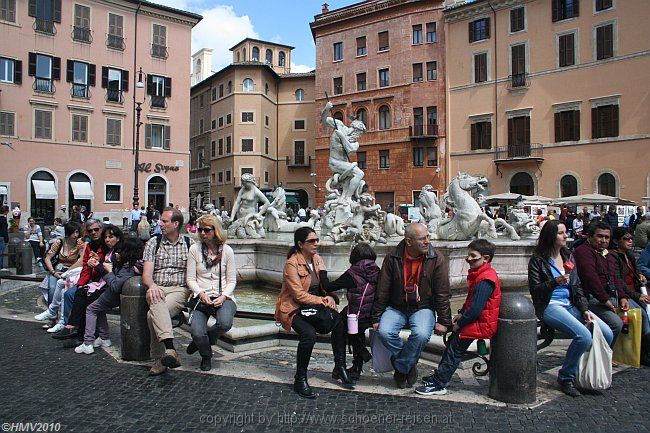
44,85
299,161
115,42
44,26
518,82
519,153
80,91
82,34
159,51
423,131
158,101
114,96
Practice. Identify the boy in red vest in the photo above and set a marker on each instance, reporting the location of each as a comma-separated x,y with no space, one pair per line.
477,319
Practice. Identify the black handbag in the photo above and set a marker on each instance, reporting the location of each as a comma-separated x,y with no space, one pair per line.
195,303
322,318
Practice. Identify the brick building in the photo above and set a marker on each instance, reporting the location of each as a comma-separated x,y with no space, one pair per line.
383,61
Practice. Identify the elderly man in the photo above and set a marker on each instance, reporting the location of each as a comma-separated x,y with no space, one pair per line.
164,275
414,281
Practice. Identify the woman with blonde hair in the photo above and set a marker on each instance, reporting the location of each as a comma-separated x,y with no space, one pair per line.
211,276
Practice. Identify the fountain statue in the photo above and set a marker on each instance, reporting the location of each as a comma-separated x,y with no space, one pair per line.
521,220
246,217
275,219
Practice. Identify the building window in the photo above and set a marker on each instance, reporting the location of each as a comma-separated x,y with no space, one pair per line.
229,87
220,91
281,59
432,71
361,81
522,183
266,176
519,136
604,121
113,193
417,34
228,145
113,132
266,88
46,13
299,125
384,44
266,145
607,184
213,124
201,126
81,29
159,42
267,120
384,159
518,53
116,82
8,10
602,5
300,95
82,76
214,94
43,124
220,122
220,147
338,85
567,125
11,71
256,54
566,50
213,149
384,77
418,120
299,152
228,176
115,37
361,160
338,115
517,19
479,30
228,119
157,136
246,170
247,117
7,122
417,72
480,68
431,33
200,157
269,57
46,70
338,51
159,88
362,115
246,144
565,9
432,156
481,135
418,157
220,177
384,117
568,186
248,85
361,46
432,115
201,100
605,42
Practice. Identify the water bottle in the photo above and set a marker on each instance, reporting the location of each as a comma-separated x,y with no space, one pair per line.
626,324
481,347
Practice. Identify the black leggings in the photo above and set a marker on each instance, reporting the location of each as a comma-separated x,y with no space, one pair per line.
358,340
307,338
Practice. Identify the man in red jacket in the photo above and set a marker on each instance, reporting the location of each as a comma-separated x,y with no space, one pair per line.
477,319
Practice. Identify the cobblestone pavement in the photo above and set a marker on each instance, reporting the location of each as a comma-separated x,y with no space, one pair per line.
44,383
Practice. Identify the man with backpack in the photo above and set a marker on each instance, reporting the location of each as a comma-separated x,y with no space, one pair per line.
164,275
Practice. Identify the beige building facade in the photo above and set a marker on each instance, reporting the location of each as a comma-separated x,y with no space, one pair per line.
549,97
253,116
69,86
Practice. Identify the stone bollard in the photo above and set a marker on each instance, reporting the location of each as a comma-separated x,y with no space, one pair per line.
24,257
513,352
133,321
11,250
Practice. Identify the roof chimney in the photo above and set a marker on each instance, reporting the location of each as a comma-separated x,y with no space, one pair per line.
325,8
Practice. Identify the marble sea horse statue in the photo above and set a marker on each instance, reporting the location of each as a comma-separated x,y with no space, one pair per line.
467,214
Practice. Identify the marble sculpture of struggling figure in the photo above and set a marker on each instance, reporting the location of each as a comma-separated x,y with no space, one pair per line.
247,218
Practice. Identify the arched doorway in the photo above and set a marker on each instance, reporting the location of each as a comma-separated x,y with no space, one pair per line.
607,184
42,197
80,192
568,186
157,192
522,183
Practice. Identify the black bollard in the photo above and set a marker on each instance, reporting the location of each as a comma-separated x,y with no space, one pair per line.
11,249
133,321
24,255
513,352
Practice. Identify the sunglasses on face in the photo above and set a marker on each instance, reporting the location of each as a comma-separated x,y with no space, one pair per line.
204,229
95,230
312,241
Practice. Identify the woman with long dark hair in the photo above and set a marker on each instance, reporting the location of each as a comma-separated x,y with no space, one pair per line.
559,299
305,305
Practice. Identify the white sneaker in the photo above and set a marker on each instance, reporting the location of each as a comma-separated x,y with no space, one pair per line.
45,315
102,343
56,328
84,348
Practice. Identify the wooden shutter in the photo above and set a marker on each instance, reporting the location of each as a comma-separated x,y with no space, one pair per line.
594,123
92,74
104,77
56,68
576,125
57,11
383,40
488,135
576,8
147,136
527,130
608,41
31,65
125,81
569,54
474,136
600,43
614,121
69,71
518,59
556,10
558,127
31,8
166,137
471,31
18,71
483,63
149,84
487,28
511,132
168,87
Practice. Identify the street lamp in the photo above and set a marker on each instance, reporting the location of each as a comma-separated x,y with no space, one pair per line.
138,111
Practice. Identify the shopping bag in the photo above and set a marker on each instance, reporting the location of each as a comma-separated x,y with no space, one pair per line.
627,349
595,368
380,354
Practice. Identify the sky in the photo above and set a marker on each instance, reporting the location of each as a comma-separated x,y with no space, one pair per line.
226,22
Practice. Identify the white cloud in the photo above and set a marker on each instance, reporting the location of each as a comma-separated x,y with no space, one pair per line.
300,68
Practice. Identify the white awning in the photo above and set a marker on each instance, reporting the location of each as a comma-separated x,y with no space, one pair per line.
3,190
82,190
45,189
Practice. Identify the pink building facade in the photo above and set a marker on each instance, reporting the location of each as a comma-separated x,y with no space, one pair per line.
69,83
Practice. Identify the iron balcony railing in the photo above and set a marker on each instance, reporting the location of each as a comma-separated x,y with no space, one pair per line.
518,81
426,130
158,101
159,51
44,26
82,34
299,160
520,151
115,42
45,85
80,91
113,95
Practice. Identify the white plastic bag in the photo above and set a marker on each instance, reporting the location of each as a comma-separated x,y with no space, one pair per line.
595,369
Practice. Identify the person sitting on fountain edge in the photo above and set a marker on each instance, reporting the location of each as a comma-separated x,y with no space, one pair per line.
477,319
414,281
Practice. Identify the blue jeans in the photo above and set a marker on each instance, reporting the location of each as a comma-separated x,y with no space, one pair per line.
205,337
2,251
451,359
68,300
569,321
405,355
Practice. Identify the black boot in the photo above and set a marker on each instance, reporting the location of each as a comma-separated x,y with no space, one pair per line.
357,368
300,385
302,388
338,347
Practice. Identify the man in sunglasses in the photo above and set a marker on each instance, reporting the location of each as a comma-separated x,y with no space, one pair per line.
414,281
164,275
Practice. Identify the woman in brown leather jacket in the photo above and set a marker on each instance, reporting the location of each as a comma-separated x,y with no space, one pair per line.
305,306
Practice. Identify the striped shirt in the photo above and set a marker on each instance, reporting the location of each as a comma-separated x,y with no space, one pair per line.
169,263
